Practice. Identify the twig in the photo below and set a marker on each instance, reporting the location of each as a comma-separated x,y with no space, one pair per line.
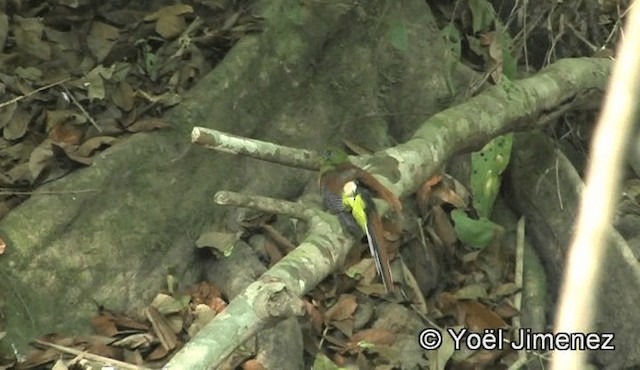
84,112
91,356
517,299
47,192
18,98
296,210
233,144
277,237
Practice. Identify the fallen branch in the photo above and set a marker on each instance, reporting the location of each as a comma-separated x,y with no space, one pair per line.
271,298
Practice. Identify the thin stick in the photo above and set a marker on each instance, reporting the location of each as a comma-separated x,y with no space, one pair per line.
18,98
46,192
84,112
517,299
91,356
229,143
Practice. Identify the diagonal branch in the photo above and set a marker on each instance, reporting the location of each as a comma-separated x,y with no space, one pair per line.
271,298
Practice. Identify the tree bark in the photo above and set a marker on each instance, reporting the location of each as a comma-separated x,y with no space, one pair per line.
319,72
547,189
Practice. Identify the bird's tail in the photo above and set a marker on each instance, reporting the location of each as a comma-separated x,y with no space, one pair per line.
375,239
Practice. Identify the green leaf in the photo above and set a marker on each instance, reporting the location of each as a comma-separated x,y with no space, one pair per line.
452,38
509,62
487,165
482,13
398,36
476,233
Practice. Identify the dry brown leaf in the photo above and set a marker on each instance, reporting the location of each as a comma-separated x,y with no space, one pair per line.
59,365
71,152
480,317
231,21
166,304
217,304
423,195
4,30
123,322
172,10
272,251
41,158
166,99
19,174
284,245
101,39
203,315
66,133
104,325
444,228
343,309
367,337
6,113
355,148
93,81
97,345
505,289
147,124
446,192
315,316
482,359
29,73
158,353
88,147
170,27
253,364
124,96
176,322
18,124
134,357
447,303
57,117
471,291
28,36
136,341
345,326
162,328
208,294
62,41
506,310
218,242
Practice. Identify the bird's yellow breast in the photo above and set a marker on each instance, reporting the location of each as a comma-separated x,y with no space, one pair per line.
354,201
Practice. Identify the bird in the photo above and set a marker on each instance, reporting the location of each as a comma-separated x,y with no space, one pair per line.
347,191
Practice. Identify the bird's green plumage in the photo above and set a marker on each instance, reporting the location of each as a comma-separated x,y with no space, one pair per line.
361,207
346,191
353,200
332,158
